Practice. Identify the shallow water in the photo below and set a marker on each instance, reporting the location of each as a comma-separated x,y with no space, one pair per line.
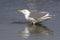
13,26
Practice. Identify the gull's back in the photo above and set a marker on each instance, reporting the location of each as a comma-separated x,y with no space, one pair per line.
36,14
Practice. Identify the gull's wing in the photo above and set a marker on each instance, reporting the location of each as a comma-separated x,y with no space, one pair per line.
40,16
36,15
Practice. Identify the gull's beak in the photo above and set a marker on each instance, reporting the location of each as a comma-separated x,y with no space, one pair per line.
20,11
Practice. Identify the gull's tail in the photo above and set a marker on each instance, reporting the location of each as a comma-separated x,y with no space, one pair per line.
44,18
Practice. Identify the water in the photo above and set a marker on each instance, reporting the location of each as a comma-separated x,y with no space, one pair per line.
13,26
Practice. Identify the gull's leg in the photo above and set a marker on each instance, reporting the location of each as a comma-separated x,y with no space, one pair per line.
36,23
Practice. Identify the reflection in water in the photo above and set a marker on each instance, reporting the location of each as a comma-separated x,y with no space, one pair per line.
34,29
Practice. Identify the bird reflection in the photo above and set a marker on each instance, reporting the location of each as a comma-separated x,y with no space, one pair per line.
34,29
38,28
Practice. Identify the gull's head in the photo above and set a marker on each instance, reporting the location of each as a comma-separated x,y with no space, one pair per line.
24,11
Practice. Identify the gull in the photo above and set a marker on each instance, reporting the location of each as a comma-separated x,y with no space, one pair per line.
33,13
35,17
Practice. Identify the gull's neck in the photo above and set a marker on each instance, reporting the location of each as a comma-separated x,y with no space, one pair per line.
27,15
